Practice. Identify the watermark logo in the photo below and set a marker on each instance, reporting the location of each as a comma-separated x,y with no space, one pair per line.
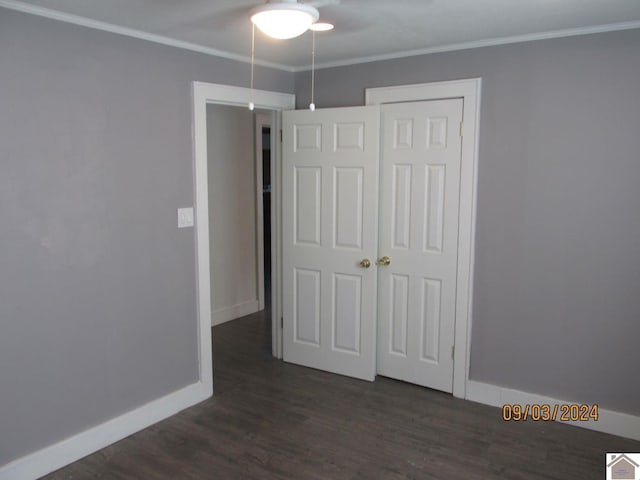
623,466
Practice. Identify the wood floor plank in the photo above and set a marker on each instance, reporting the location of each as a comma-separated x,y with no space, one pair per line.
272,420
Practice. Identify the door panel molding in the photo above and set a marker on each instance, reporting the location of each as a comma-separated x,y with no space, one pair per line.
469,91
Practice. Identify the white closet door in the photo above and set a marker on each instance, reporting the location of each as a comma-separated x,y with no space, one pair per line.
330,198
420,187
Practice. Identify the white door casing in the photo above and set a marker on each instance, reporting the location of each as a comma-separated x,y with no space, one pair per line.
330,197
419,206
204,93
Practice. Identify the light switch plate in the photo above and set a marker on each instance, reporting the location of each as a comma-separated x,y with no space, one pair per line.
185,217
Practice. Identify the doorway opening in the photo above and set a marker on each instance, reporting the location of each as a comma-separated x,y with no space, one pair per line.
263,128
239,181
266,214
274,103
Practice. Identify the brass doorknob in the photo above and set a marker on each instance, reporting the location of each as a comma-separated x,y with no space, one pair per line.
384,261
365,263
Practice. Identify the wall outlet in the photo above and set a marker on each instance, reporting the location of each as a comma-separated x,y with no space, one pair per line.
185,217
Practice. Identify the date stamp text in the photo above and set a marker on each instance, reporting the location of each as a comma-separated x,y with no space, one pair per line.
563,412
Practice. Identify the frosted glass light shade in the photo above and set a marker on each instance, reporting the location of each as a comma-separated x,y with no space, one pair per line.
284,20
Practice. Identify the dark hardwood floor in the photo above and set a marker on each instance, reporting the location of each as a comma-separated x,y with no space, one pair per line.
271,420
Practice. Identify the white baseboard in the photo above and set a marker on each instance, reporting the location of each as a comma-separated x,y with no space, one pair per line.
53,457
609,421
226,314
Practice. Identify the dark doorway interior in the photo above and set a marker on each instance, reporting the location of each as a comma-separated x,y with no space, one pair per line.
266,214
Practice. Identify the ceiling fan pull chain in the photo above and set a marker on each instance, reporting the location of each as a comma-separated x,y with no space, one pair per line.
312,105
253,54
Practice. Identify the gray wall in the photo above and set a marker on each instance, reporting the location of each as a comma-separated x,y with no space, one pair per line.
232,212
557,274
97,285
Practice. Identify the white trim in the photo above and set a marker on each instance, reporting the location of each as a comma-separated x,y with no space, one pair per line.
261,120
201,217
55,456
172,42
204,93
469,91
609,421
240,96
131,32
490,42
223,315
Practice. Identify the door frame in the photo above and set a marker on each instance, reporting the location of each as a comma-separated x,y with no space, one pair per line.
469,91
203,94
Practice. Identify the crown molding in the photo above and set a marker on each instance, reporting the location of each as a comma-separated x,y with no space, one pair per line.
530,37
130,32
172,42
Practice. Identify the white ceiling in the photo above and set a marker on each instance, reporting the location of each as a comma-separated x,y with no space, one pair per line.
364,29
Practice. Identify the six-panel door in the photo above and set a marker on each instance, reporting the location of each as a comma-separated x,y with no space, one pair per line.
330,221
419,206
330,198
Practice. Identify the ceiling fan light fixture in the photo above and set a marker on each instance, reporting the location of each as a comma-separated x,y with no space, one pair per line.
284,19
